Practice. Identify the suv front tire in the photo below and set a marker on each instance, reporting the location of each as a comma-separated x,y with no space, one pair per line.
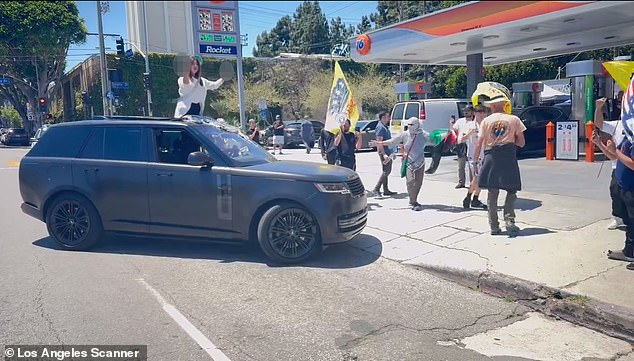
288,234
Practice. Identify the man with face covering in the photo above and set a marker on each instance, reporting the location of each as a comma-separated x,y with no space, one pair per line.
414,140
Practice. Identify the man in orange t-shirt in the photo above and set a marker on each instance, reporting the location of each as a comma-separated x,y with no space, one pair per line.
500,135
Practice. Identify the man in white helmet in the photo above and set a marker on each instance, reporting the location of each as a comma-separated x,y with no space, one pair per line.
414,140
500,135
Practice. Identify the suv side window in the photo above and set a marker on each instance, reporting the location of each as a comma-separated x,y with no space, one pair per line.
124,143
61,141
173,145
94,146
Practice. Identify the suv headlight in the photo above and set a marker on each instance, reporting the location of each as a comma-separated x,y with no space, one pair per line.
332,188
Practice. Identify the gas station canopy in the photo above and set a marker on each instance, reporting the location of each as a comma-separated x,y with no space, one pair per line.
502,31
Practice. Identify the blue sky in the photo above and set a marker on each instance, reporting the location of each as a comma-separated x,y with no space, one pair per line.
255,17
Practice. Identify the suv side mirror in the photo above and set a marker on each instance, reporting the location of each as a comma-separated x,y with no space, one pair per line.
200,159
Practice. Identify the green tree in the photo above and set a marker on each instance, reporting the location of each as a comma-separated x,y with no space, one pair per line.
278,40
34,41
310,31
339,32
10,117
365,25
375,93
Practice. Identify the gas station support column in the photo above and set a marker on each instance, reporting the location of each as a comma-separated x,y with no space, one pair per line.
474,72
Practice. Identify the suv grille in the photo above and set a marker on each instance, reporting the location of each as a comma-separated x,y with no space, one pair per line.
356,187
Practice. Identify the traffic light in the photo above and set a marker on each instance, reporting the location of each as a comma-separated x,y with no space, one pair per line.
147,81
120,47
42,103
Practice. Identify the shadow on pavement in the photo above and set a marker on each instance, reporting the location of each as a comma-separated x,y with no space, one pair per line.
525,204
339,256
446,208
534,231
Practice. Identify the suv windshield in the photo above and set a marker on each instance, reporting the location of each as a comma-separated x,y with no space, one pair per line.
241,151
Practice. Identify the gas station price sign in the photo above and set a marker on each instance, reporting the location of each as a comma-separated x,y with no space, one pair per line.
216,28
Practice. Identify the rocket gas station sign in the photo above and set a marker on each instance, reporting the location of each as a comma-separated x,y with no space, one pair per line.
216,29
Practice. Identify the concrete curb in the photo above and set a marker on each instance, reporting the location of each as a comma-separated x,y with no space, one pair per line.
612,320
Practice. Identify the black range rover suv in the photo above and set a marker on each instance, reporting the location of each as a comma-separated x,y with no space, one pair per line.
187,178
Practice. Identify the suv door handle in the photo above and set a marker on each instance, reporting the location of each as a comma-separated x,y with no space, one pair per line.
91,169
164,174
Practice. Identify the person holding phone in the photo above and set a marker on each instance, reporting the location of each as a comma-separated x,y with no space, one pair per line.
347,143
192,89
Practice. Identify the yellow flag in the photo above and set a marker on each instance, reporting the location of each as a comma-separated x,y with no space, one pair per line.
341,105
621,71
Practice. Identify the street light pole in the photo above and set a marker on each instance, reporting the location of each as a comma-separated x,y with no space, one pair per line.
147,70
102,60
147,61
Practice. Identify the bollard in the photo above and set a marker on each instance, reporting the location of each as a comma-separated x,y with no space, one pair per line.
550,141
589,144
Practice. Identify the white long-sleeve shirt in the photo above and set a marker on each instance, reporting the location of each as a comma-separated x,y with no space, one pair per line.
194,93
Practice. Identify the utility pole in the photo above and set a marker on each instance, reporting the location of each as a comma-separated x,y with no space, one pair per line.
241,95
102,60
147,62
400,18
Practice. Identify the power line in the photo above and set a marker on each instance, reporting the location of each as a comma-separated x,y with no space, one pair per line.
345,7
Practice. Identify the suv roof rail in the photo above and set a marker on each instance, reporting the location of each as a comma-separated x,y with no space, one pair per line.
128,117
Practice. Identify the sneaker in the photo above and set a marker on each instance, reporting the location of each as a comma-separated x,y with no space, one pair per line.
620,256
466,202
496,231
477,204
417,208
630,266
512,229
374,193
460,185
389,193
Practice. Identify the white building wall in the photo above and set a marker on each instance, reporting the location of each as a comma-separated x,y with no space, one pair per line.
169,25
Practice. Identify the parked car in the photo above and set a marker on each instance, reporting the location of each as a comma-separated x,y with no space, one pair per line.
38,134
292,133
16,136
185,178
535,119
367,130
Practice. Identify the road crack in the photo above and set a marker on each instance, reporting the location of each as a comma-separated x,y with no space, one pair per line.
39,301
396,327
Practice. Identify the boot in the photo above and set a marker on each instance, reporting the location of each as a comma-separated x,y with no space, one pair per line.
467,201
475,203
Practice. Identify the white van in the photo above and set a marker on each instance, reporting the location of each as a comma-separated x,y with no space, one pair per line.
434,113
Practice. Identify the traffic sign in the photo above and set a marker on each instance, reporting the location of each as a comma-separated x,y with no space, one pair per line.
5,81
129,54
262,104
120,85
110,95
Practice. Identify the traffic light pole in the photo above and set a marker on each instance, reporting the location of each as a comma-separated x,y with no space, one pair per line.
147,70
102,60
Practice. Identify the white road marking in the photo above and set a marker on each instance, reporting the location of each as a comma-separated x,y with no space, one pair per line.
187,326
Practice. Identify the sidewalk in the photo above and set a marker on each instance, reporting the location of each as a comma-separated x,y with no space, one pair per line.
558,262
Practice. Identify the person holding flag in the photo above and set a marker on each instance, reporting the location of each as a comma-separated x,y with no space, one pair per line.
341,104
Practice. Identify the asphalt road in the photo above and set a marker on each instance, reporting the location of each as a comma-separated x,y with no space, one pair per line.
199,301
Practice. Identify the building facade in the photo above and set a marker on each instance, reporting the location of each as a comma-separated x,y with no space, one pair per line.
169,26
